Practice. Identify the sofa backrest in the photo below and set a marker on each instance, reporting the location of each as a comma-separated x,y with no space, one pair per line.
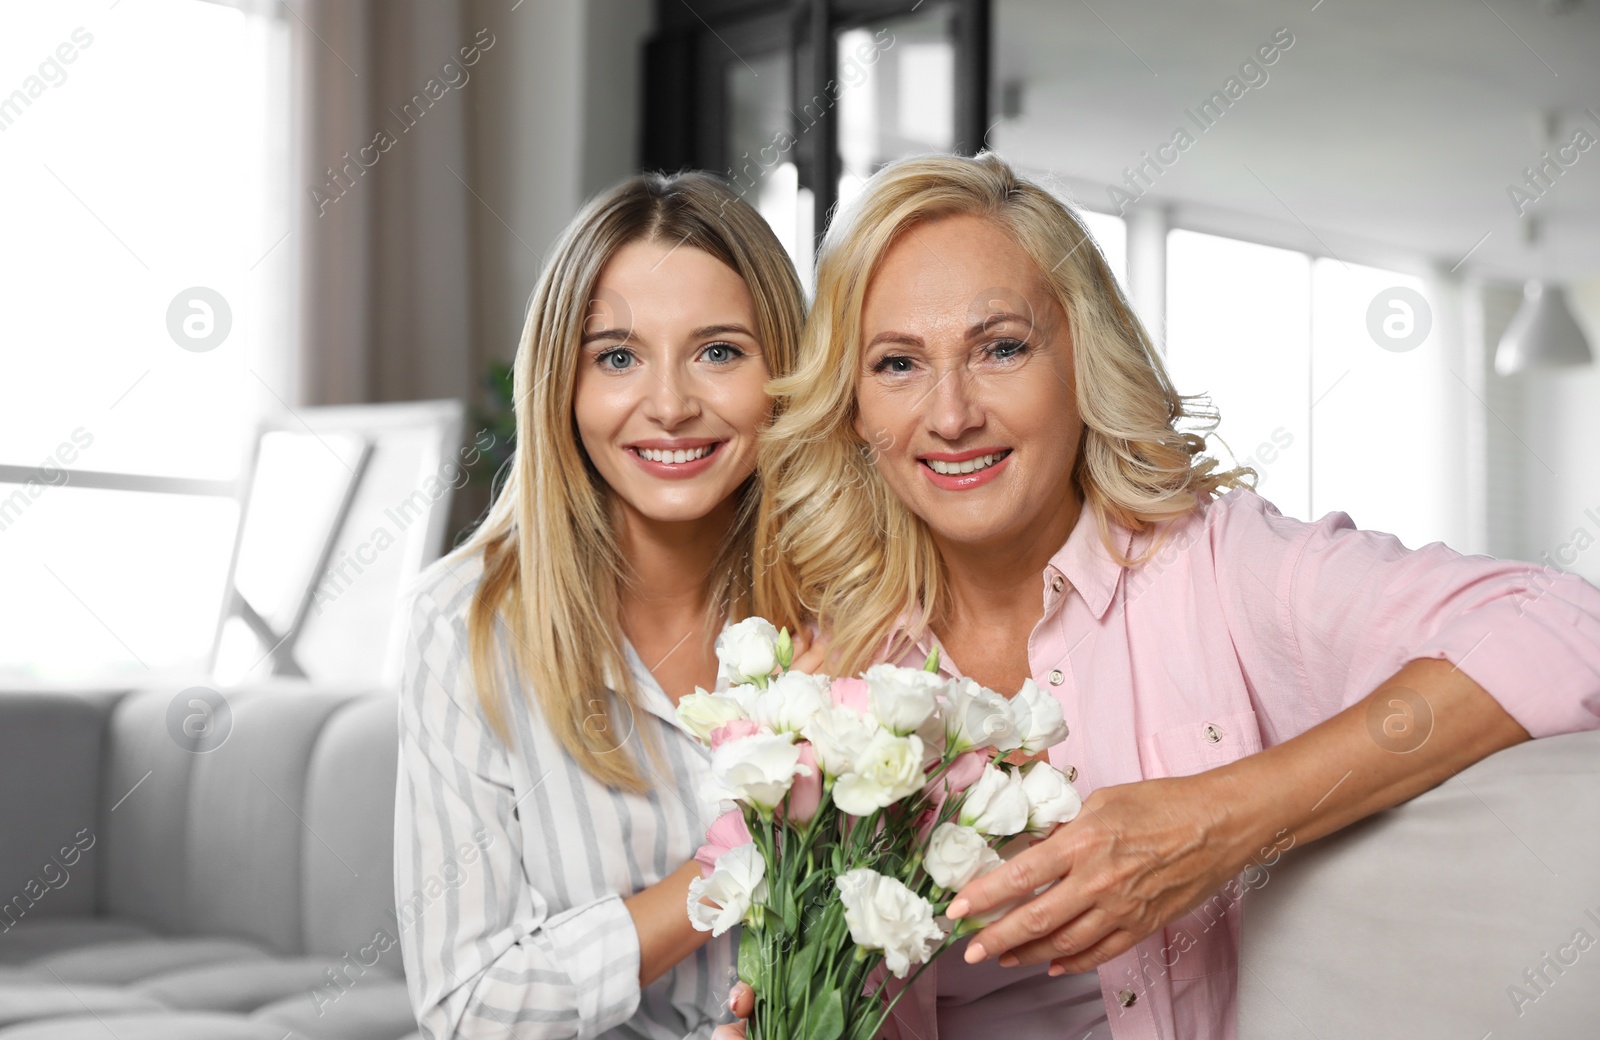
281,835
1472,909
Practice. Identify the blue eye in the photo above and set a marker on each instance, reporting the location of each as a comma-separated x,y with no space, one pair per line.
896,363
1007,349
617,359
722,353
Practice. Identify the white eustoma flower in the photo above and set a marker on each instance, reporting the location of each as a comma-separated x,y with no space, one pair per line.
737,883
838,735
883,914
902,698
757,770
888,769
975,716
748,649
790,701
956,855
1051,797
1038,718
701,712
996,804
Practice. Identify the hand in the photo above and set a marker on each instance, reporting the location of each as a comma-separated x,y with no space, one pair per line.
809,655
741,1001
1135,857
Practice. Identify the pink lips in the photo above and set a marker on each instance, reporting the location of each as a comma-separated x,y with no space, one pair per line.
964,481
675,470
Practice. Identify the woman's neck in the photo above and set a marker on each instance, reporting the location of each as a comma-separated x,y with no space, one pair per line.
664,602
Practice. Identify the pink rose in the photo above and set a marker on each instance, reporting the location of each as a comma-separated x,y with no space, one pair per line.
805,794
735,730
726,832
852,693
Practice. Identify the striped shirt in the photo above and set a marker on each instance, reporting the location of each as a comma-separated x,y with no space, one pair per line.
511,866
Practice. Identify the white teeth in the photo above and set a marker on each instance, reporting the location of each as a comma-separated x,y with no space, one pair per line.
676,457
954,469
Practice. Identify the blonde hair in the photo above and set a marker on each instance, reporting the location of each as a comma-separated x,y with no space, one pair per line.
552,567
837,543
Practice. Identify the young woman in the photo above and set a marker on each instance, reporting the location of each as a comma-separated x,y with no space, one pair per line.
982,451
548,806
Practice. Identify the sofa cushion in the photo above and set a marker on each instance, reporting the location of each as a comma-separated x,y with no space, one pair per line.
38,936
240,986
372,1008
348,893
1435,919
170,1025
132,960
48,998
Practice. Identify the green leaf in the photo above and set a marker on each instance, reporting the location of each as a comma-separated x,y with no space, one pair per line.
750,957
800,968
932,663
791,914
828,1023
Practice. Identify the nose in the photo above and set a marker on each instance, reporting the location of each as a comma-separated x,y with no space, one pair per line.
952,404
671,400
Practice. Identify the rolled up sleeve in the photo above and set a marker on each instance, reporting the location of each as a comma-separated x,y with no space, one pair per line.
1358,605
482,950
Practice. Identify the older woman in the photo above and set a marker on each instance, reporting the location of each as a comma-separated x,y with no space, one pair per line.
981,451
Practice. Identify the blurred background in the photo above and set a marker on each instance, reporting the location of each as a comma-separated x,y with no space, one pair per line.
267,260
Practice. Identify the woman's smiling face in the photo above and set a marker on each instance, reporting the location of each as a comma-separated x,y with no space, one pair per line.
670,387
966,385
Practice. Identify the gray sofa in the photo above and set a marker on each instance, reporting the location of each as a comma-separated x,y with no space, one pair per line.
247,892
241,893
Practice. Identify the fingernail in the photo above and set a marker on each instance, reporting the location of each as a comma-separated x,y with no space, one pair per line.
1009,960
976,953
957,908
1056,970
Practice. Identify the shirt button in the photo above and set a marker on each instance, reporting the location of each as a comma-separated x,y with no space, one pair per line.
1127,998
1058,583
1072,773
1212,733
1056,677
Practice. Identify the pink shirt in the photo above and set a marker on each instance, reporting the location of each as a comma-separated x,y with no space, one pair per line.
1246,629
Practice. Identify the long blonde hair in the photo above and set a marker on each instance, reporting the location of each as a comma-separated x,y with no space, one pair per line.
552,567
837,543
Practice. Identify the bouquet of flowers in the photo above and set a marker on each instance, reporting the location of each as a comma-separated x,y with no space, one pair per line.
861,805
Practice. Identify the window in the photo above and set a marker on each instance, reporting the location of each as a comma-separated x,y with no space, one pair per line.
149,286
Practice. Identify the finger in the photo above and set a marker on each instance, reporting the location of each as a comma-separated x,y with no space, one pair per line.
1113,945
1071,939
1019,878
1038,917
742,1000
734,1031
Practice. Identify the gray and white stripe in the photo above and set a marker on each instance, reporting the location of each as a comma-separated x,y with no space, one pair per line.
511,864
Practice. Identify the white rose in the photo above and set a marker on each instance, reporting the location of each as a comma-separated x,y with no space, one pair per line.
883,914
975,716
902,698
737,883
838,735
749,649
1038,718
757,769
956,855
701,712
1051,797
996,804
790,701
888,769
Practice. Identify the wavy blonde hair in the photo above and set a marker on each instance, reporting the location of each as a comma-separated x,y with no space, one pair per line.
836,542
552,568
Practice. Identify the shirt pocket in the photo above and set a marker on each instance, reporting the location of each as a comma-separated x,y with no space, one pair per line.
1202,744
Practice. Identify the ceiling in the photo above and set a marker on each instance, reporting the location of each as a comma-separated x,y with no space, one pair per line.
1384,133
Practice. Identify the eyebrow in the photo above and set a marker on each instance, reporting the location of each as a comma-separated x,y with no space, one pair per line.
975,330
703,332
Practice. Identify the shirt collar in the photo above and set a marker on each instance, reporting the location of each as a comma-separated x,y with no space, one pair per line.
1084,561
